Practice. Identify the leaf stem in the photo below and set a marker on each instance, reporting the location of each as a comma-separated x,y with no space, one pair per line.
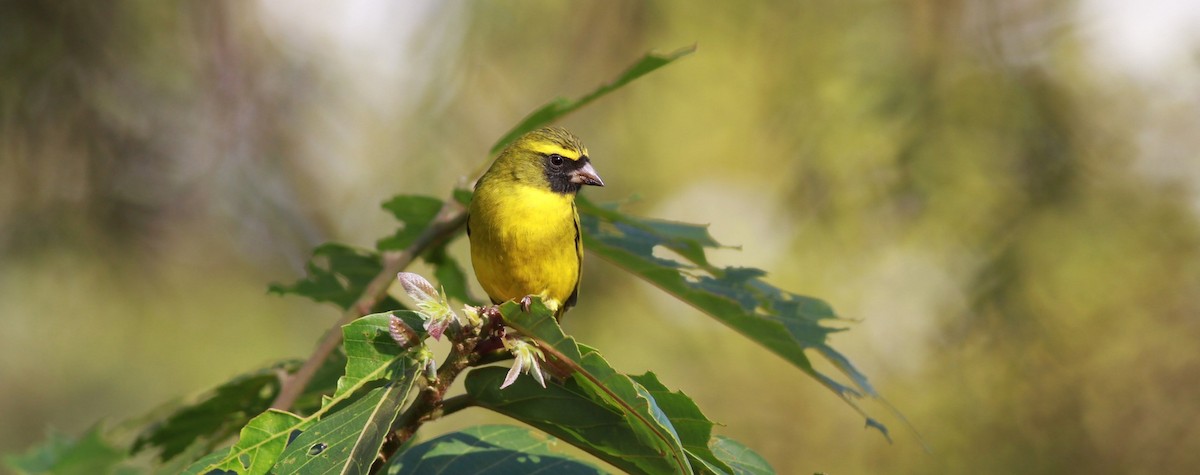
448,221
457,403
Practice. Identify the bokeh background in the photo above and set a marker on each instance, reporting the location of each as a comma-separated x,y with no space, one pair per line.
999,196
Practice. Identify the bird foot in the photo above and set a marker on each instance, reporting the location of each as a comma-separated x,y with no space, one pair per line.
526,301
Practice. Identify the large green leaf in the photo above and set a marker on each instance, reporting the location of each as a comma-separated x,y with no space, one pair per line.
488,450
414,213
181,433
740,458
575,415
199,427
788,324
371,355
259,444
337,274
562,106
694,429
216,416
348,441
597,409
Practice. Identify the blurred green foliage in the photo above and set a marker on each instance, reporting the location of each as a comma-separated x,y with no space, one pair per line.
964,179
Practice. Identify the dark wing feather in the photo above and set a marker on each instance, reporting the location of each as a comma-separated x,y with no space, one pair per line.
578,262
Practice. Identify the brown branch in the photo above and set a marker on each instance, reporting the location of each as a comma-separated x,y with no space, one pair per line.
449,219
431,402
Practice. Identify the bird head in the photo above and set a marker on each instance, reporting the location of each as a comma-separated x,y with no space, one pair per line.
549,157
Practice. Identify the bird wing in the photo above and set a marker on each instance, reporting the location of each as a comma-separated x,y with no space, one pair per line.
578,261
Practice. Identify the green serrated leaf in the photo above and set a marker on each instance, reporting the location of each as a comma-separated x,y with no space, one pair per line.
693,428
740,458
561,106
786,323
639,406
337,274
414,213
371,351
371,355
348,441
216,416
488,450
60,455
259,444
598,409
574,414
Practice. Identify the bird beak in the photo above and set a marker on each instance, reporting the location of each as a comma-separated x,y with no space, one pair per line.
586,175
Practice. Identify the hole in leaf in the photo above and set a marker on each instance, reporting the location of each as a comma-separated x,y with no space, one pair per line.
317,448
293,435
244,460
667,254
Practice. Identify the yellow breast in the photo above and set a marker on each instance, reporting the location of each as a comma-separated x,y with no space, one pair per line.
524,242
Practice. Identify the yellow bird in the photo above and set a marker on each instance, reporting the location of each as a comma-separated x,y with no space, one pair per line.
522,222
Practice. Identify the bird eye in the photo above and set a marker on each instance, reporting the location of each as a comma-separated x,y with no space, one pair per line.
556,159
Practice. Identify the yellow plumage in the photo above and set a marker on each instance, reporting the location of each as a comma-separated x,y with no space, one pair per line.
522,222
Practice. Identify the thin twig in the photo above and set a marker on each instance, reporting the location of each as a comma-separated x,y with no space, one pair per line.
449,219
